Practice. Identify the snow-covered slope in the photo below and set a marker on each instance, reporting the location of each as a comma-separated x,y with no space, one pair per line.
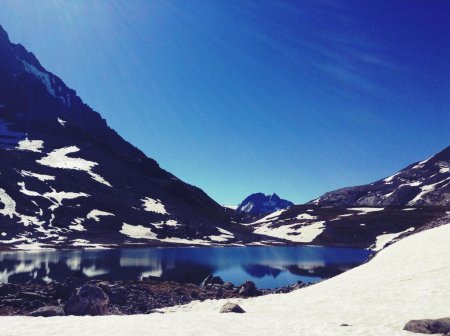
408,280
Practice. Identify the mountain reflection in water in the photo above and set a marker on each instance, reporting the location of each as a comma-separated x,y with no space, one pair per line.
268,267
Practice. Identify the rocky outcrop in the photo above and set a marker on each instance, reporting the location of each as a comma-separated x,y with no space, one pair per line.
428,326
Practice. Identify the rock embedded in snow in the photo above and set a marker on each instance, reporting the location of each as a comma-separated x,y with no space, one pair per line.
87,300
48,311
231,308
428,326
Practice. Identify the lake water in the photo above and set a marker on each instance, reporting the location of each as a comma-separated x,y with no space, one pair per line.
268,267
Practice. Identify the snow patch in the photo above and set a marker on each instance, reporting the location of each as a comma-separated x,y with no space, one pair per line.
9,205
137,231
384,239
58,159
390,178
56,197
62,122
42,76
40,177
366,210
269,217
95,214
153,205
425,190
444,170
31,145
77,225
306,216
303,234
225,236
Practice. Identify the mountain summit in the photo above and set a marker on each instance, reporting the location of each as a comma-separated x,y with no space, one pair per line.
68,180
259,203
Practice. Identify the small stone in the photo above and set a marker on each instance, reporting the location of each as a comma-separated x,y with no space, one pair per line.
231,308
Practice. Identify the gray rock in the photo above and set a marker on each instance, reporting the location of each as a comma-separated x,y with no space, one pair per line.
87,300
48,311
32,296
231,308
228,286
248,288
212,280
427,326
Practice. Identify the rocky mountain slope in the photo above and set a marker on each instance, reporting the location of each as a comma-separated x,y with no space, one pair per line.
420,184
68,180
369,216
257,204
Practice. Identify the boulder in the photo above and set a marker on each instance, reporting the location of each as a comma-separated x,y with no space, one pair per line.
212,280
231,308
427,326
248,288
48,311
87,300
228,286
8,288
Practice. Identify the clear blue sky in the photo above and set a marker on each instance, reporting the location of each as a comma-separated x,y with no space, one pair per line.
237,96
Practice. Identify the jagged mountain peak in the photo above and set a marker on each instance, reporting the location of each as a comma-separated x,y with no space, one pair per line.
259,203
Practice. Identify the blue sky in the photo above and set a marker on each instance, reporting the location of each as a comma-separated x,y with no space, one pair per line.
238,96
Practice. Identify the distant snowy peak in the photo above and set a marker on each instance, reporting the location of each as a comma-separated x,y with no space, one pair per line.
425,183
259,203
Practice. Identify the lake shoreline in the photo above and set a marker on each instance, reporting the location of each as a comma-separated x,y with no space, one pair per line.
121,297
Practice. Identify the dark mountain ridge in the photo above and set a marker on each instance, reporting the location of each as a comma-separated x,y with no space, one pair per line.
67,179
424,183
